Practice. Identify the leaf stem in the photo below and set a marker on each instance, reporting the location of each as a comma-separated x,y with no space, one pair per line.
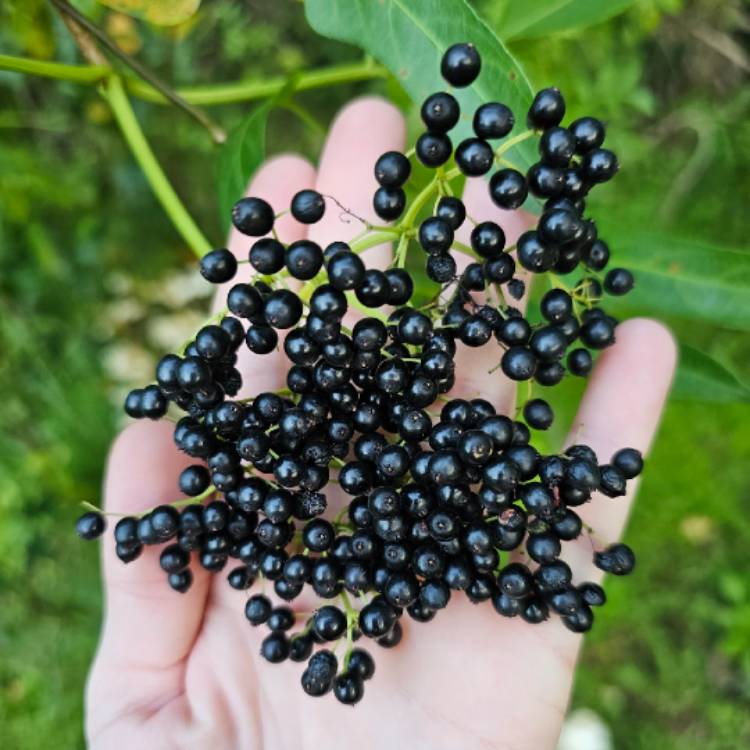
243,91
114,92
60,71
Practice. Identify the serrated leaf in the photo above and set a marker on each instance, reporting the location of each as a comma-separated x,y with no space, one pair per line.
158,12
684,278
527,20
702,378
239,157
409,37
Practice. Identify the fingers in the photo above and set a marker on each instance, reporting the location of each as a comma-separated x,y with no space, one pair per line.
473,365
148,628
621,409
362,131
276,182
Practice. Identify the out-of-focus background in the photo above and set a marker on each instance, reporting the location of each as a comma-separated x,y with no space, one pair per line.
95,282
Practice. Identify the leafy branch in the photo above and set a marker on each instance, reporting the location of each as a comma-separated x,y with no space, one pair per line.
67,10
114,92
231,92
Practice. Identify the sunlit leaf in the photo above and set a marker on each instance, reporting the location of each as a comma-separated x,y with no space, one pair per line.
410,38
158,12
522,19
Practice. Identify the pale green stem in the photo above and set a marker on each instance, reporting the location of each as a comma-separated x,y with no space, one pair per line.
114,92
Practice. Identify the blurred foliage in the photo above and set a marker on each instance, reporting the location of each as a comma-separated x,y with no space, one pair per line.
93,284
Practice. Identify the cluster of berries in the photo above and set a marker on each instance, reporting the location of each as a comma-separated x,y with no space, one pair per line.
440,501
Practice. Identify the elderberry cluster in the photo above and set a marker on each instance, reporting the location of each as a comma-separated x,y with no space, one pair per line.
445,494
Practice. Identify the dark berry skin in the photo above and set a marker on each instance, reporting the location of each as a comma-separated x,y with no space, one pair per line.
392,169
557,146
218,266
258,609
493,120
545,181
252,216
345,270
538,414
90,525
435,235
303,259
533,254
599,165
400,286
508,189
474,157
515,580
618,281
361,663
244,300
275,648
596,257
617,559
433,149
376,618
579,362
194,480
588,133
389,203
629,461
547,109
461,64
519,363
267,256
348,687
593,594
452,210
440,112
308,206
487,239
282,309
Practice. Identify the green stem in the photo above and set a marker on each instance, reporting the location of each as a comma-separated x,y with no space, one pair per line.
82,21
243,91
60,71
114,92
514,141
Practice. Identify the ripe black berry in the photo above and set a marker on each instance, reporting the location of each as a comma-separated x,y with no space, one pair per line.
433,149
218,266
508,189
440,112
547,109
90,525
461,64
493,120
308,206
474,157
253,216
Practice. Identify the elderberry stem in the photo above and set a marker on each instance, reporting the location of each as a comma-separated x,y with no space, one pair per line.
514,141
114,92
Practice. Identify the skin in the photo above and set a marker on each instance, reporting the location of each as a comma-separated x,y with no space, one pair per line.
184,671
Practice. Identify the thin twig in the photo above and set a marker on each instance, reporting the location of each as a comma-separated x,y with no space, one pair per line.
67,10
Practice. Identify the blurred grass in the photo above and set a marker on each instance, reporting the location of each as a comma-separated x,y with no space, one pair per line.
83,246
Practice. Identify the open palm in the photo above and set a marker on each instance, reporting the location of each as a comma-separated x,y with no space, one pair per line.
184,671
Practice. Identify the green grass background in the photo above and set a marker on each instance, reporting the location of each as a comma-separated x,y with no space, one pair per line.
85,254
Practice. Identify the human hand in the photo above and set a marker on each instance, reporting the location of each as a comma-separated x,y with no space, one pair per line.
184,671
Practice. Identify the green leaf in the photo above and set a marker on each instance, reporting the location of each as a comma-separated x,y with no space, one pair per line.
158,12
526,20
702,378
239,157
685,278
410,37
